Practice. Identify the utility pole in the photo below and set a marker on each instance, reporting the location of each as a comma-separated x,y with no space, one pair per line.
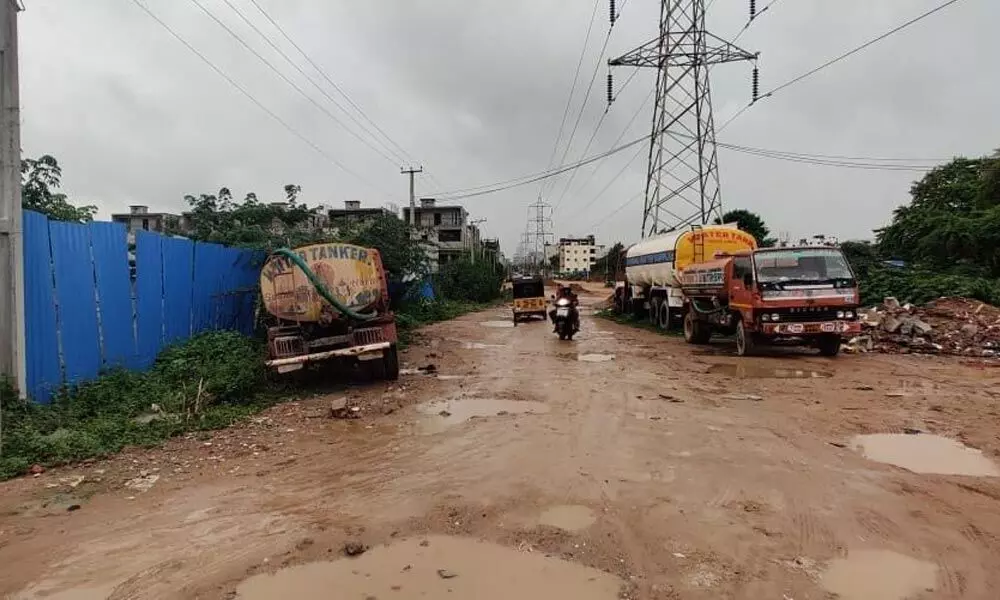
413,196
476,241
682,179
12,361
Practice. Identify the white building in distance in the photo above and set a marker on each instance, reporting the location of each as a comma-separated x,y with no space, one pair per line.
578,255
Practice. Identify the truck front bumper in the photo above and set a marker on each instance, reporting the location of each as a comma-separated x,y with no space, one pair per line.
844,328
365,352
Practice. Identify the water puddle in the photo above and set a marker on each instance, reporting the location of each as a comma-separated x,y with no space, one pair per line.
744,371
448,413
436,567
568,518
478,346
867,574
498,324
595,358
925,454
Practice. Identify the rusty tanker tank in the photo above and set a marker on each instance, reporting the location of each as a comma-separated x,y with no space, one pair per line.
329,302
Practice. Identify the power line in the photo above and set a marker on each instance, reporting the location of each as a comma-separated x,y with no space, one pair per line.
327,77
311,79
572,89
753,18
253,99
860,48
617,176
583,105
597,168
291,83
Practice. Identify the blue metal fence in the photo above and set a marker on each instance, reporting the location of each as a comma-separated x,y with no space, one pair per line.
85,311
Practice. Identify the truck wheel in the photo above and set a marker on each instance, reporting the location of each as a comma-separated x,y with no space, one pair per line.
654,311
663,319
829,345
745,342
695,331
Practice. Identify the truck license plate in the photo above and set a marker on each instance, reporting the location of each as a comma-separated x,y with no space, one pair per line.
562,312
796,328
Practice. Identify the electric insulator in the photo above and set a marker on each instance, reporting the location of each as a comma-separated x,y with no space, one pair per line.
756,83
612,12
611,88
753,9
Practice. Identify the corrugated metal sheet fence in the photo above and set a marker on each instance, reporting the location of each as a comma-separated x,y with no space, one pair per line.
87,310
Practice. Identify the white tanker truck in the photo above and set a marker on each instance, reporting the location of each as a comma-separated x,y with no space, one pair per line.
651,265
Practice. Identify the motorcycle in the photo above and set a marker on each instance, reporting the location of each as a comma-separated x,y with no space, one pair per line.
565,319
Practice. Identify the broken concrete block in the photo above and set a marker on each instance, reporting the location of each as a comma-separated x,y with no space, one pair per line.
891,303
921,328
891,324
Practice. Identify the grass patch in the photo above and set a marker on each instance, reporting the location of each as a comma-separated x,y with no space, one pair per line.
209,382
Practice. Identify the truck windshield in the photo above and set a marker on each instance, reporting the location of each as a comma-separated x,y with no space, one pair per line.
806,265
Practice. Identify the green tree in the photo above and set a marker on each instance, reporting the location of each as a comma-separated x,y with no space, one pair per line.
466,281
39,179
751,223
403,256
611,263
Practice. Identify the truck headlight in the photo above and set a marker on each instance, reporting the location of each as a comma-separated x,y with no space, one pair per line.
841,314
775,317
849,314
765,318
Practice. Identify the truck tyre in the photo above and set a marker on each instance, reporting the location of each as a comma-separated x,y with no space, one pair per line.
829,345
663,315
654,311
695,331
745,342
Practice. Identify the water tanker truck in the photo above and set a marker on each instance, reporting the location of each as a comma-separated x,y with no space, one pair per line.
801,296
329,302
651,266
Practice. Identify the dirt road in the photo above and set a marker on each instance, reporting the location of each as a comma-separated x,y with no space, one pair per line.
623,463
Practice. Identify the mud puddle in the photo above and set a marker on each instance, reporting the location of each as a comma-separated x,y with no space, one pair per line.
568,518
498,324
436,567
447,413
867,574
595,358
478,346
743,371
922,453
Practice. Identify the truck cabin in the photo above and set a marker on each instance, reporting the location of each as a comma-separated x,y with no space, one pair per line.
779,269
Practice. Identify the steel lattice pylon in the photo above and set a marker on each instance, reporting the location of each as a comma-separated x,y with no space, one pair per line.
682,182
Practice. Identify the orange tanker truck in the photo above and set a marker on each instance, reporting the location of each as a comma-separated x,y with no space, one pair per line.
797,296
329,302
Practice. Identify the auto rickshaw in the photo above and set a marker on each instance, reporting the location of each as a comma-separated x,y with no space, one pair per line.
529,298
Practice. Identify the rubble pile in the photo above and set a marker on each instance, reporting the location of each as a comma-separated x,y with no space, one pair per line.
959,326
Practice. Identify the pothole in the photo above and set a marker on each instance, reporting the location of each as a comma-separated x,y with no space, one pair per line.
436,567
921,453
595,358
498,324
568,517
744,371
448,413
881,574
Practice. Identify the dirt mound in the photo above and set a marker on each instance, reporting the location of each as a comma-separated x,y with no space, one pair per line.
960,326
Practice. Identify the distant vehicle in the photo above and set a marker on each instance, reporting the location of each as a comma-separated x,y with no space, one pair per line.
329,302
799,296
651,286
529,298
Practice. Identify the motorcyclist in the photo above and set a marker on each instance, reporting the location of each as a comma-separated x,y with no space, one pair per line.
574,315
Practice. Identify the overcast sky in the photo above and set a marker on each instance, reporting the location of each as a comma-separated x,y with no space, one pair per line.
474,90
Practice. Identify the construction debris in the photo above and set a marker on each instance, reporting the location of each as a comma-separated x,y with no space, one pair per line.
958,326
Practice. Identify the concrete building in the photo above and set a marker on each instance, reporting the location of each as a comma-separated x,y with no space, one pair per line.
445,227
577,255
138,218
354,213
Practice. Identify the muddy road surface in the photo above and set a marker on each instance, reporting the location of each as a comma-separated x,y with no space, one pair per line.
622,464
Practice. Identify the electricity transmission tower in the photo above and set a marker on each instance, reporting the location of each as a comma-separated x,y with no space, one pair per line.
682,180
541,223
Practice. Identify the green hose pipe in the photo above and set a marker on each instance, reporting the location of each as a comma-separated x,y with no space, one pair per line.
321,287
